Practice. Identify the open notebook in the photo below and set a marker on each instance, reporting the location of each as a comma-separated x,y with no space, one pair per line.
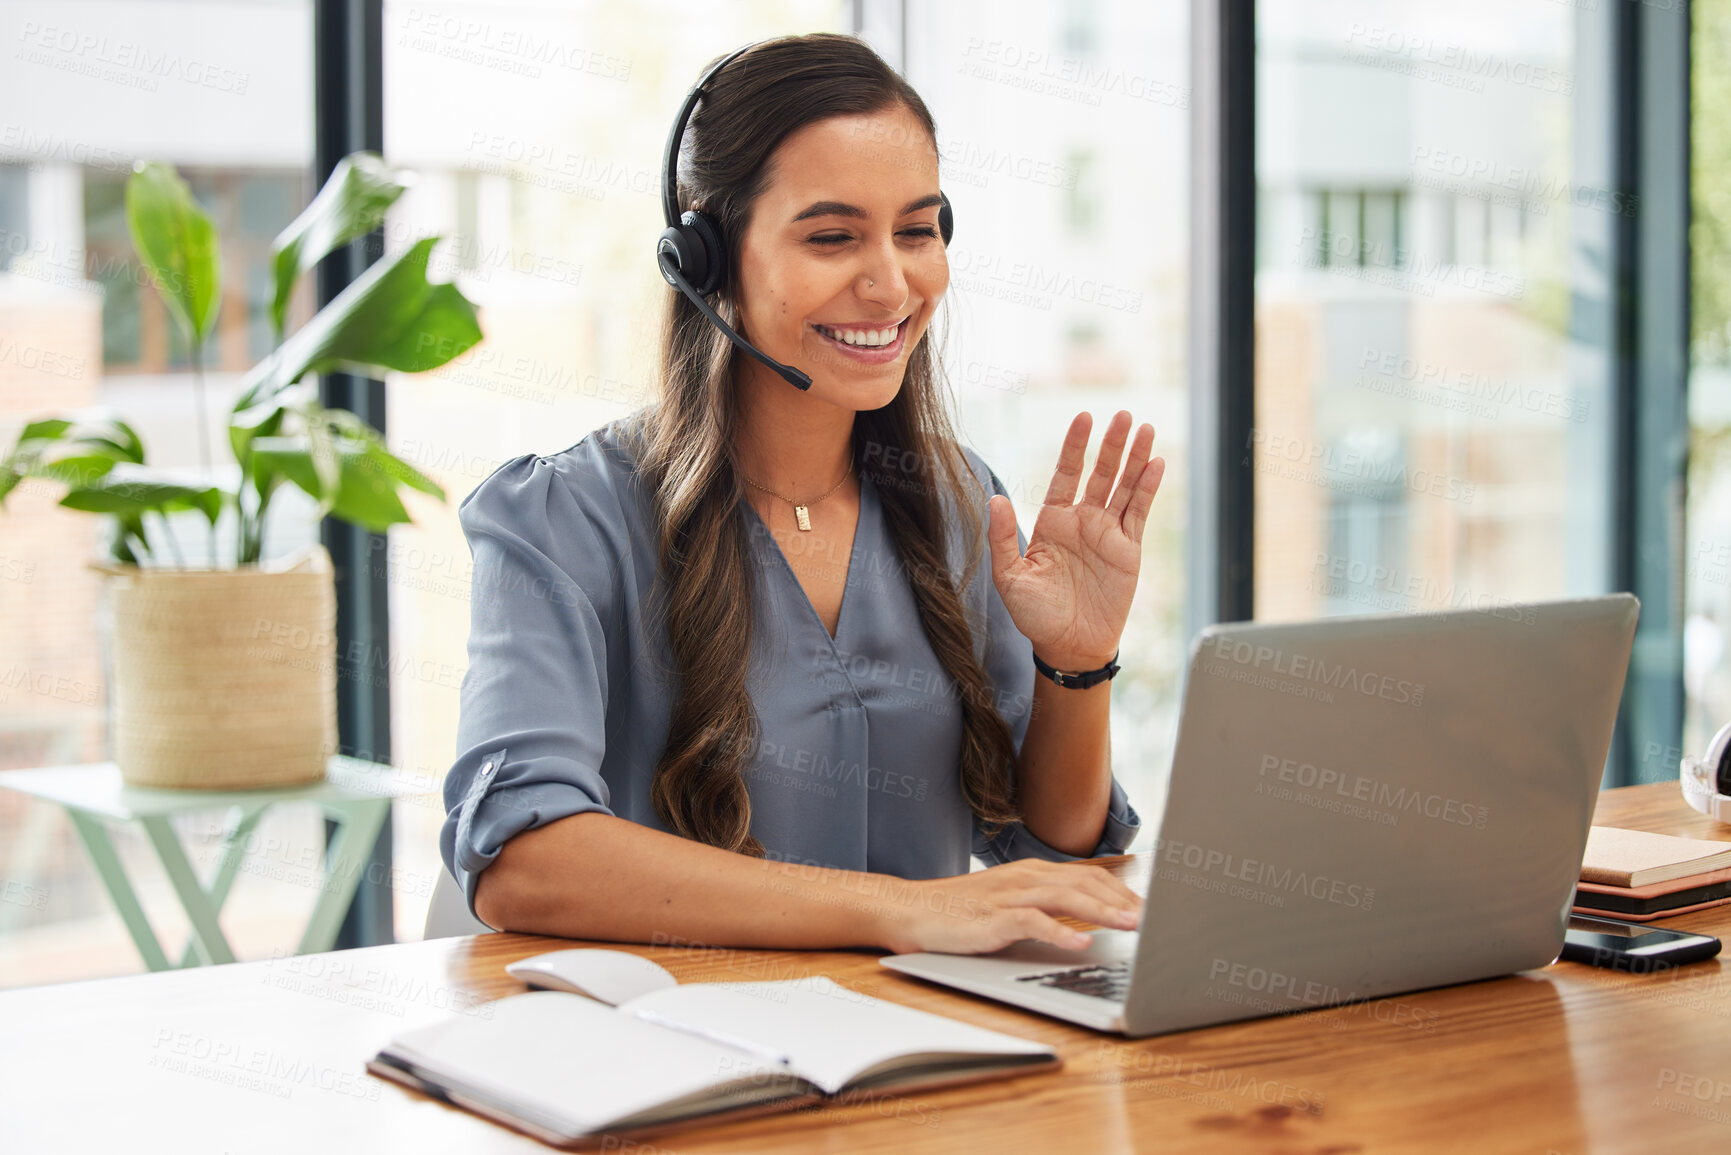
567,1069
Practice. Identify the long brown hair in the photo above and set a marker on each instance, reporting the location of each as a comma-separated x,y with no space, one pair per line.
687,458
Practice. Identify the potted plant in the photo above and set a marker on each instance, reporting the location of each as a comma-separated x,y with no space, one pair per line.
224,674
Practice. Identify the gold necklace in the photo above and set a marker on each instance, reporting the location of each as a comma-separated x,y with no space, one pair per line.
801,513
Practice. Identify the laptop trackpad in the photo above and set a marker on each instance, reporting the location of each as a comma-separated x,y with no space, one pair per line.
1032,956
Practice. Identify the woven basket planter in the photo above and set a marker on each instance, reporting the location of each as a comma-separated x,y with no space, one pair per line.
224,679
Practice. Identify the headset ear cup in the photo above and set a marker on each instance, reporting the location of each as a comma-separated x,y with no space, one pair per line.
1718,758
946,219
706,236
684,252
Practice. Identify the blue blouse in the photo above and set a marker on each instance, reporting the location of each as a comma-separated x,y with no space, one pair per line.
566,702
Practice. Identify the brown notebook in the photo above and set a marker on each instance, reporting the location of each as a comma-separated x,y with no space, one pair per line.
1592,911
1635,858
1658,900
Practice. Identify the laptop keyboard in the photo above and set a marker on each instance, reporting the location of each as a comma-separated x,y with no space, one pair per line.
1109,981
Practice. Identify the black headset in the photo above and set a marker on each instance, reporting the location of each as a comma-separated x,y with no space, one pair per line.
692,253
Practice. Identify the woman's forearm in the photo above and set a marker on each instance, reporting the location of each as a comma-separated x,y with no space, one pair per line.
1066,765
597,876
594,876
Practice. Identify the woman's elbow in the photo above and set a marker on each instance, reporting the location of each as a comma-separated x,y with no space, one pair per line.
493,904
527,887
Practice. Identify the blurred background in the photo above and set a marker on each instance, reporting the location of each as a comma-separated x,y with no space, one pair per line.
1438,418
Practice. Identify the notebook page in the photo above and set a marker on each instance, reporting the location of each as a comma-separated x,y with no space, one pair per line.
576,1064
831,1034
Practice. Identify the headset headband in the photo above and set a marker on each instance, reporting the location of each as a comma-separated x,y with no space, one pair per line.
670,165
691,251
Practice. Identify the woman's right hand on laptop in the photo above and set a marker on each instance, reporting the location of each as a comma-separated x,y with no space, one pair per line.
988,910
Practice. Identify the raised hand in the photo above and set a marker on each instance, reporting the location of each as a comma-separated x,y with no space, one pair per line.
1070,593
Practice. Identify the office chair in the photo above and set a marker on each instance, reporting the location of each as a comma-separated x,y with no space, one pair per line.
448,914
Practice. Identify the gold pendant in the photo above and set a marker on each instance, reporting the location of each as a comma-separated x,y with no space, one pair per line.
800,515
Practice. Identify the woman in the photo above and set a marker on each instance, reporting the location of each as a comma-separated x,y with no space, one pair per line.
739,672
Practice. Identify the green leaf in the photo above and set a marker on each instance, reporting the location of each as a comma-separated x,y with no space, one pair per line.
11,473
106,435
51,429
26,455
380,460
367,498
75,469
125,442
352,204
390,317
113,450
127,527
241,434
377,457
322,452
178,244
85,452
209,501
265,480
364,496
137,496
288,457
445,329
16,467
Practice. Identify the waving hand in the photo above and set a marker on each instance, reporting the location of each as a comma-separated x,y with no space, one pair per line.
1070,593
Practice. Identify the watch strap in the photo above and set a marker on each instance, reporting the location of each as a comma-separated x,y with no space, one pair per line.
1081,681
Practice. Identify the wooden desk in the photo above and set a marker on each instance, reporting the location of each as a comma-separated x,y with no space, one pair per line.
267,1057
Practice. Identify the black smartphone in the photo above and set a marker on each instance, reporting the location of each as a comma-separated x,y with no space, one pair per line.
1629,946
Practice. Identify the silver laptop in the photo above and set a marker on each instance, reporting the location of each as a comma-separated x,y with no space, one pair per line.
1358,807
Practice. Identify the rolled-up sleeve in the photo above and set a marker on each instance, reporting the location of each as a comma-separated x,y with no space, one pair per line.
1015,841
1010,663
532,715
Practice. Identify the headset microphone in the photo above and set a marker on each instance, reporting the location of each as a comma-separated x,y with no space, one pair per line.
692,253
670,270
691,248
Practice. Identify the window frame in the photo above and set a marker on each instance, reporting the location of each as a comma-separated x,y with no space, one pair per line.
348,87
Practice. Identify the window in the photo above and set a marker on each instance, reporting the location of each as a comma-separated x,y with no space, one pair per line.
1707,556
1064,137
14,213
1436,312
1431,430
536,132
1356,227
224,93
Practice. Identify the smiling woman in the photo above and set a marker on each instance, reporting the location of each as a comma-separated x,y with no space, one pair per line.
823,250
687,713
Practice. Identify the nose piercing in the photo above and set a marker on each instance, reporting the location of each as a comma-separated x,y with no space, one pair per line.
871,284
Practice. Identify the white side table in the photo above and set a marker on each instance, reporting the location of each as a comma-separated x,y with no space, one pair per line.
354,794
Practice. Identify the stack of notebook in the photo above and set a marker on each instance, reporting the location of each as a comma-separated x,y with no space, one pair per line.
1637,876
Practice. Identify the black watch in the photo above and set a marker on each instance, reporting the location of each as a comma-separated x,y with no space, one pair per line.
1078,681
